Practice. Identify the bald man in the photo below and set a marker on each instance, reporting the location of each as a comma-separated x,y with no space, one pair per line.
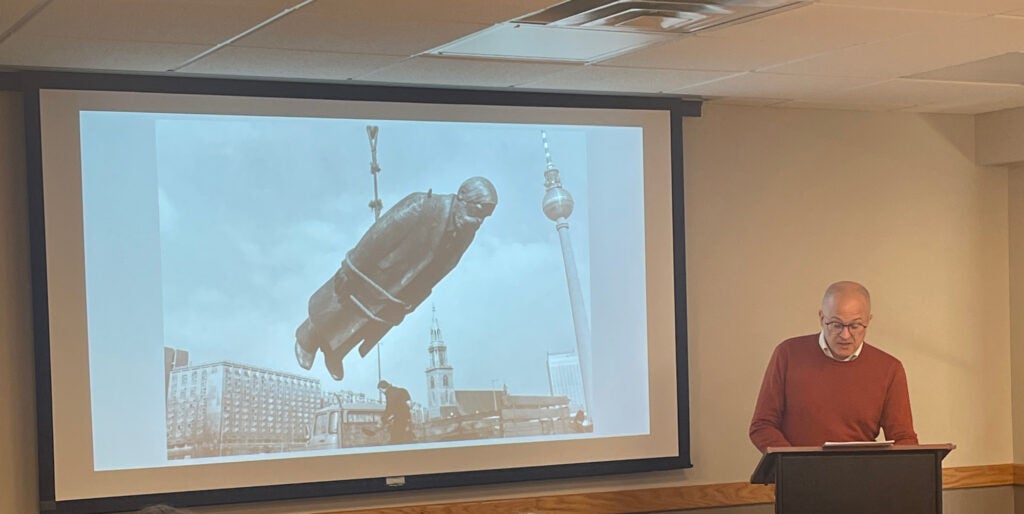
833,386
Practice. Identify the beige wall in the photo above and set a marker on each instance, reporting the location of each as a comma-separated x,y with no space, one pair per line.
1016,222
778,204
1000,137
781,202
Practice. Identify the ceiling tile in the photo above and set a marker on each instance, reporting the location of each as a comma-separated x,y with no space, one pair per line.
154,21
749,102
464,72
915,53
272,63
771,85
14,10
840,54
980,108
737,49
719,53
323,26
833,26
844,106
429,11
976,104
54,52
921,93
1001,69
627,80
956,6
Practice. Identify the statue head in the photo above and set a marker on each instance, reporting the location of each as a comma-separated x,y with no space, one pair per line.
474,202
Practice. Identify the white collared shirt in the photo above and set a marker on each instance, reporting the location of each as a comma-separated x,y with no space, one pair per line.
828,351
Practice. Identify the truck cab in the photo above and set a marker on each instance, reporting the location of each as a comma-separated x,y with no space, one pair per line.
347,425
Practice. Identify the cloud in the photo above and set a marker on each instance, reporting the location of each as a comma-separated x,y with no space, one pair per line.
169,213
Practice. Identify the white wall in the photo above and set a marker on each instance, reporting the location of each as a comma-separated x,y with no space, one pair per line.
778,203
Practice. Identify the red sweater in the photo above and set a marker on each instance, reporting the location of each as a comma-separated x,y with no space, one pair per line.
808,398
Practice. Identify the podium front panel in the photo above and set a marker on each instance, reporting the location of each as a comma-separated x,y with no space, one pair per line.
858,483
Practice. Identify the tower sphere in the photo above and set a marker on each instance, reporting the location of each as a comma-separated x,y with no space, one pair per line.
557,204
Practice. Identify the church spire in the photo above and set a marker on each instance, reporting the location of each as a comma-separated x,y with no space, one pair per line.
435,329
441,401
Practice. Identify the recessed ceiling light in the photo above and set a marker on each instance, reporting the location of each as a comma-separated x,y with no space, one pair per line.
547,43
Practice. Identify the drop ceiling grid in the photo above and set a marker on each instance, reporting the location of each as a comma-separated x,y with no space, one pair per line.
426,11
1005,68
606,78
739,49
971,40
153,21
464,72
749,102
772,85
955,6
974,108
843,106
320,28
920,93
294,64
54,52
823,52
700,52
13,10
834,26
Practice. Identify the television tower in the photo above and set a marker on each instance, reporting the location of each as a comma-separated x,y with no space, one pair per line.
558,205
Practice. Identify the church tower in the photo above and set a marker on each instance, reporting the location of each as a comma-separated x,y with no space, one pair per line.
440,380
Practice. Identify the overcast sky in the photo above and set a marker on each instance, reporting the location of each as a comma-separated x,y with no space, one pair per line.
257,213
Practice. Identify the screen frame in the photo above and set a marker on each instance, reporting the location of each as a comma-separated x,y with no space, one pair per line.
32,82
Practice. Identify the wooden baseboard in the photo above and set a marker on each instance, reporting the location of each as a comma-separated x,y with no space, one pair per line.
610,502
678,498
978,476
1018,474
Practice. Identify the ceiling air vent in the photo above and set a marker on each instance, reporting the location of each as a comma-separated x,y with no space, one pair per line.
660,16
587,31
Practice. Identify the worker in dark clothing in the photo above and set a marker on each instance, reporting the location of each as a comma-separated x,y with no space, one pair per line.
397,418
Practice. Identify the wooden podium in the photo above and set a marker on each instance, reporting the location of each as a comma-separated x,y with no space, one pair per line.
850,479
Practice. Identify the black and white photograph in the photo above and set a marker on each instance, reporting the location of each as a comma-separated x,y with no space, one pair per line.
323,285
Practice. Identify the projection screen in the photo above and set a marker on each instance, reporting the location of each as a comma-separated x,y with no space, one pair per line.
229,279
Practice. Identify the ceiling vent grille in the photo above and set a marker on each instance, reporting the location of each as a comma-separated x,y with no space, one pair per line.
587,31
654,16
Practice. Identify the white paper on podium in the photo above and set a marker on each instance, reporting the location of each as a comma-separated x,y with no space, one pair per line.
858,444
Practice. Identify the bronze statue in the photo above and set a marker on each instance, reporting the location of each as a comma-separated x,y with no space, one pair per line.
391,271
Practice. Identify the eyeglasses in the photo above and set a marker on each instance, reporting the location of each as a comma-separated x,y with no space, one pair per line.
836,327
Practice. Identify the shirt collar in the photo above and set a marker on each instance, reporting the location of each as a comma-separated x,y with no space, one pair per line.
828,351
